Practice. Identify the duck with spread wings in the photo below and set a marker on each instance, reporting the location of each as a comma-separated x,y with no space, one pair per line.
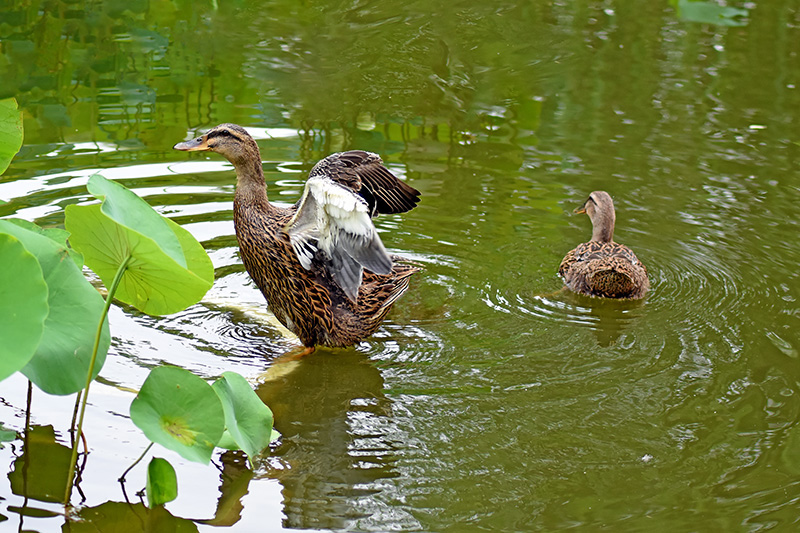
320,263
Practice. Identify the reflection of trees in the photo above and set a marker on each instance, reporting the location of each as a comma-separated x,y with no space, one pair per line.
122,65
582,76
337,439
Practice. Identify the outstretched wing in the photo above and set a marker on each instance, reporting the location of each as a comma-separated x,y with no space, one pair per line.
333,219
364,173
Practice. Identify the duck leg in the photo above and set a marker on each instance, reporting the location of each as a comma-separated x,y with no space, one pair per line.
553,294
295,354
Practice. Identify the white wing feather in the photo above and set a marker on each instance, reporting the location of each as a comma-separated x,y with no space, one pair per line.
335,220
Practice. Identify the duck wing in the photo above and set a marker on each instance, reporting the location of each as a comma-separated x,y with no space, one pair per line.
606,269
364,173
333,224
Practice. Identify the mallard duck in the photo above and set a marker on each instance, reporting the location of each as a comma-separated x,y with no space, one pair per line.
320,263
602,267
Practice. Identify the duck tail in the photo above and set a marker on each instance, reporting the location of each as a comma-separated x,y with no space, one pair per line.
611,283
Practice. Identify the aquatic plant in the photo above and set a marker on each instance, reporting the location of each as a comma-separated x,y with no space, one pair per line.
58,321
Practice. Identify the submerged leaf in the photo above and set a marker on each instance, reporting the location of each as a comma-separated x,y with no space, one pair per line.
180,411
710,13
154,282
23,305
247,419
162,483
63,355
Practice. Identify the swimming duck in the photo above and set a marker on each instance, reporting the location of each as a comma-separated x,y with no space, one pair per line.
602,267
320,263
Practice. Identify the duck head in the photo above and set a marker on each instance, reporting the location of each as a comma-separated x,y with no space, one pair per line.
600,208
229,140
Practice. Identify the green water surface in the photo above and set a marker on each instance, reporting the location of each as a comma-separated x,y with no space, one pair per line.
489,400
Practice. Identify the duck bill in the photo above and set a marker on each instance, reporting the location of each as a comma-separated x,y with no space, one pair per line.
579,210
194,145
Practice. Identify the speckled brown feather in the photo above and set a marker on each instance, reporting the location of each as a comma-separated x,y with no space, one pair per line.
309,302
604,269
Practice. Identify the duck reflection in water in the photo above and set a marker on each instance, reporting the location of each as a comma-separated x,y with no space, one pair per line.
337,439
606,318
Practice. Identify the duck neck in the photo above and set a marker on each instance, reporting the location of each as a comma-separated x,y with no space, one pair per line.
603,226
251,189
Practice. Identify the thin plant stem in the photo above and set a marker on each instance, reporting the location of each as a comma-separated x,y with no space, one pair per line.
136,462
75,413
109,297
28,408
26,457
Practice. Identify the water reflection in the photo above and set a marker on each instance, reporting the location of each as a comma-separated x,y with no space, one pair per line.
570,412
124,517
40,472
235,479
338,447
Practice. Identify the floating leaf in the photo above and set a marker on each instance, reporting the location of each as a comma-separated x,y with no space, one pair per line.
63,355
247,419
180,411
162,483
23,305
10,132
126,227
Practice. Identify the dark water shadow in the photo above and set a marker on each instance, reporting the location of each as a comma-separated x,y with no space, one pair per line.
337,445
607,318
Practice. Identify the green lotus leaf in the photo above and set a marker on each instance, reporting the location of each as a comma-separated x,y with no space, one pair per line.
127,209
179,411
56,234
227,442
10,132
62,358
153,282
162,483
247,419
7,435
23,305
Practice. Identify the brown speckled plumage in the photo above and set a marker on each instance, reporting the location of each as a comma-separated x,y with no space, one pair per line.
310,302
602,267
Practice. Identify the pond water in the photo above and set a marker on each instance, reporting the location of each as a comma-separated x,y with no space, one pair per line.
489,400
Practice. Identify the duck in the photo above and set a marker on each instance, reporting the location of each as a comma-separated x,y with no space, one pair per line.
601,267
319,263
